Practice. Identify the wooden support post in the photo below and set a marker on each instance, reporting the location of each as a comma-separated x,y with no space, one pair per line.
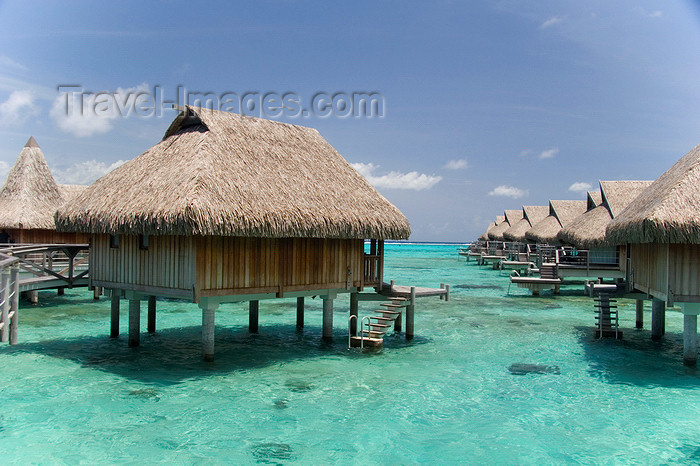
353,312
151,314
96,292
690,337
410,311
14,302
397,322
134,322
442,287
208,327
639,321
658,315
253,311
33,296
300,312
5,290
447,292
328,318
114,324
61,291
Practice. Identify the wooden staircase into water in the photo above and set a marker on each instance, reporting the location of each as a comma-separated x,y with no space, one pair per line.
373,328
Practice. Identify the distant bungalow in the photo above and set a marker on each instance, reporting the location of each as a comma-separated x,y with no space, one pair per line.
532,214
232,208
511,218
561,214
30,197
587,231
661,228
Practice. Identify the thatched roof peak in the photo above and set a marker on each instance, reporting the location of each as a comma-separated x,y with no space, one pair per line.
532,214
593,199
32,142
667,211
588,229
561,213
30,195
224,174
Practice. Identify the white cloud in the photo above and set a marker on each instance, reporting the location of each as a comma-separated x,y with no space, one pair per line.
396,180
548,154
580,187
84,172
86,114
7,62
460,164
18,108
551,21
508,191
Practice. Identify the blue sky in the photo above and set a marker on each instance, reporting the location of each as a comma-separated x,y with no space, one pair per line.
487,105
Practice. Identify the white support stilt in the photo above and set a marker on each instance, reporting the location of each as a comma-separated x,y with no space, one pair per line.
209,307
410,311
690,333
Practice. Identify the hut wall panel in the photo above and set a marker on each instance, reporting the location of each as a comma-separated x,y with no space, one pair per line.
649,264
245,265
684,260
167,263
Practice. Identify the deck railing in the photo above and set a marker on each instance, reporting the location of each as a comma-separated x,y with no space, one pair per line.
9,298
373,270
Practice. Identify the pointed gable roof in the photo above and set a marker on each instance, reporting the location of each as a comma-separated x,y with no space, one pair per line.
667,211
30,195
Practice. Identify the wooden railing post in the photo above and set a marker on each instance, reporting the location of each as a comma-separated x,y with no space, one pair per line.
14,302
5,296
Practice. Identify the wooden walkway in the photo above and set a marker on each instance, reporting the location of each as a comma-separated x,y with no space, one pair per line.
400,291
28,268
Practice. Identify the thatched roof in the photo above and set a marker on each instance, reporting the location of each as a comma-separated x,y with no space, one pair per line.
30,196
561,214
532,214
667,211
69,191
224,174
496,232
588,230
593,199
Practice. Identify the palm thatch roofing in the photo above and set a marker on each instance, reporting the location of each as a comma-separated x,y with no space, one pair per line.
561,214
69,191
223,174
510,216
30,196
588,230
667,211
532,214
594,199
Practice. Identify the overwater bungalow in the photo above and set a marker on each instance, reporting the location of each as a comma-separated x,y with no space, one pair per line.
595,255
511,217
531,215
561,214
29,199
661,229
231,208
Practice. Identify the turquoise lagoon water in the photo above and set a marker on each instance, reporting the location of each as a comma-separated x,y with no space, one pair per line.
69,394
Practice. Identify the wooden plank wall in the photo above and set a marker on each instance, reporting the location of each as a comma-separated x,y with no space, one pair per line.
167,263
649,266
235,265
47,237
684,278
